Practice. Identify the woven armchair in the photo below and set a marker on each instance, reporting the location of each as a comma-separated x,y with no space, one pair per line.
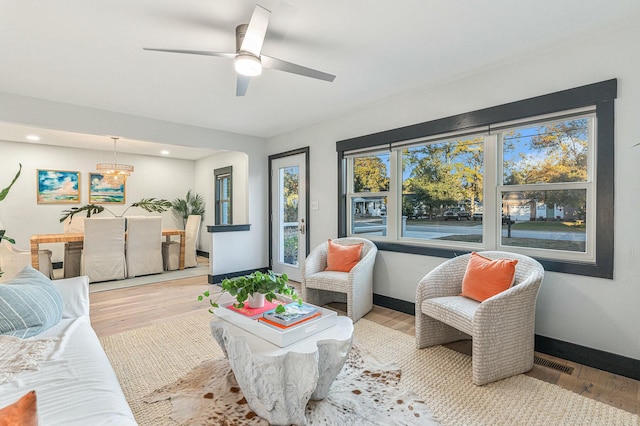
320,287
501,327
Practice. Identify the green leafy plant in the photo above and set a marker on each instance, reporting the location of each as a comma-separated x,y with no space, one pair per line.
148,204
193,203
3,195
269,284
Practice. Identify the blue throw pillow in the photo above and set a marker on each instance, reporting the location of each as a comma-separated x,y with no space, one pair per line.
29,304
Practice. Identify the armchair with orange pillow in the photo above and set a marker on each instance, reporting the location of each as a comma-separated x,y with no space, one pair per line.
489,297
341,270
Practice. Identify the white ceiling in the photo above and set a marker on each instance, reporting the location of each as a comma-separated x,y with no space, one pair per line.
89,53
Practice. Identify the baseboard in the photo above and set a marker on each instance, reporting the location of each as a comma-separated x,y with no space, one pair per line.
217,279
395,304
202,253
606,361
584,355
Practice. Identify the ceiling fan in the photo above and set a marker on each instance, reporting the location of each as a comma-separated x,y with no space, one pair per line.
248,57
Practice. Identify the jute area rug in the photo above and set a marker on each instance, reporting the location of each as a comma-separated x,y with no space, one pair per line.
151,358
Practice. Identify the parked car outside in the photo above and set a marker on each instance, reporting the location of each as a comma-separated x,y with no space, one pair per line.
505,218
456,214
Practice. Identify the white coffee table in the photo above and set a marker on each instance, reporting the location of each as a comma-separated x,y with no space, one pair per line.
278,382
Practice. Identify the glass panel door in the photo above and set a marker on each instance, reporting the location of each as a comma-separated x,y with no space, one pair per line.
289,227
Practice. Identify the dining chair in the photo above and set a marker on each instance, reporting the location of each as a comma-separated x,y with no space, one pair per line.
144,246
13,260
171,249
103,255
73,250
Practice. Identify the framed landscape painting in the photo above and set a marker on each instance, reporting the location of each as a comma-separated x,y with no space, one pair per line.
103,192
58,187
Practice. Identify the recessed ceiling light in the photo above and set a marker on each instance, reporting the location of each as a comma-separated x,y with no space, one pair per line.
165,152
33,137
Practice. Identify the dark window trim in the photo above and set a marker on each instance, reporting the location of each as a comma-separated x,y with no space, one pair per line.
228,228
600,94
223,171
307,234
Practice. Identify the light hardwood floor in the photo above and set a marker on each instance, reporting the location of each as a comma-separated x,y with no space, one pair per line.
120,310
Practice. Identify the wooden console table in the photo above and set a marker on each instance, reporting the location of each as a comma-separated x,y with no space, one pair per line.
38,239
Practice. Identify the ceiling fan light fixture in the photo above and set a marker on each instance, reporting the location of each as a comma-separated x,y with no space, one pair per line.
248,65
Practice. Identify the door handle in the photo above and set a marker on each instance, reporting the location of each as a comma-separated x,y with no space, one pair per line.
301,228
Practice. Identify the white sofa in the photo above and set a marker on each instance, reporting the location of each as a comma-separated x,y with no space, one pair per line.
76,385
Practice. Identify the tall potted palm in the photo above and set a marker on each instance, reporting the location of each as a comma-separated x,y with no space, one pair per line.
193,203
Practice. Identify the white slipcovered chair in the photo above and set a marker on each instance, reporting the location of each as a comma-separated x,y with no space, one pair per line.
501,327
355,287
171,249
73,250
13,260
103,256
144,245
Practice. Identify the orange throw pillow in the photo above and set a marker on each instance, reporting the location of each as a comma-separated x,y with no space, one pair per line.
23,412
485,278
343,258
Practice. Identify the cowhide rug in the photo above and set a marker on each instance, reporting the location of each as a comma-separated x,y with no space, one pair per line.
364,393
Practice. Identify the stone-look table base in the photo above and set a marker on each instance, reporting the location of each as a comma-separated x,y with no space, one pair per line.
278,382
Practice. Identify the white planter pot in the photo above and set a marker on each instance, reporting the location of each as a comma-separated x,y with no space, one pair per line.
256,300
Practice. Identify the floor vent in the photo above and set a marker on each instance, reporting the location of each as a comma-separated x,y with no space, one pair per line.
554,365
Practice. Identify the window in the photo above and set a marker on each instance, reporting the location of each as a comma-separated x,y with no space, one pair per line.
223,195
442,187
547,187
534,177
368,194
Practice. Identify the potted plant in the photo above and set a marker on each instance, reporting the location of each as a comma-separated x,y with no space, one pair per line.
193,203
3,195
254,288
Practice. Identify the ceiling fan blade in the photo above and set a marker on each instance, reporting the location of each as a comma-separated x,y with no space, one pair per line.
279,64
195,52
243,83
254,37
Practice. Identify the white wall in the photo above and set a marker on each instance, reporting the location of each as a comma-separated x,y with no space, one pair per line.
205,181
598,313
245,250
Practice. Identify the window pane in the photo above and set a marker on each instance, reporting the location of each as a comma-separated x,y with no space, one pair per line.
226,190
549,153
369,216
442,190
371,173
290,183
225,213
545,219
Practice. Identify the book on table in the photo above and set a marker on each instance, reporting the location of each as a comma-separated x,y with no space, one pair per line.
254,313
275,325
293,313
284,336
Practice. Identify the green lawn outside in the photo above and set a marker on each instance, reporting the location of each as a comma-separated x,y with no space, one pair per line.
523,242
549,226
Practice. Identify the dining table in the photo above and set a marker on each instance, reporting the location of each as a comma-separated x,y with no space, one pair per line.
69,237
